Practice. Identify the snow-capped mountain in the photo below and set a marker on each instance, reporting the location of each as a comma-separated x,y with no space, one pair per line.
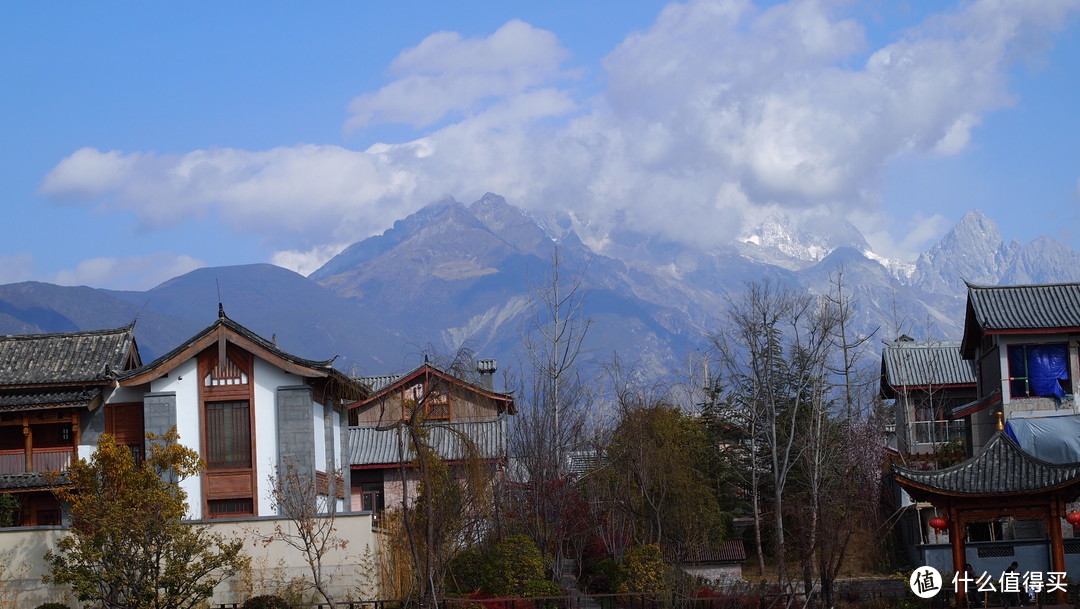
457,275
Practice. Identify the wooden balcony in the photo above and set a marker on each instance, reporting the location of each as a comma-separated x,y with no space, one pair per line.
41,460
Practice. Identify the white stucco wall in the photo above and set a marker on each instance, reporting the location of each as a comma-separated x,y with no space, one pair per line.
273,566
120,395
340,456
319,425
267,379
184,382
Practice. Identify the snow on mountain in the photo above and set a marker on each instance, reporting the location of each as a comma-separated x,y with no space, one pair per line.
455,274
778,240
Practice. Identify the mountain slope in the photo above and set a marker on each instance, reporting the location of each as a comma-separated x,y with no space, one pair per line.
453,275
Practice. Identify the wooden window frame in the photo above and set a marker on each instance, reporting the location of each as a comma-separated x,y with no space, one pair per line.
1026,377
227,482
226,448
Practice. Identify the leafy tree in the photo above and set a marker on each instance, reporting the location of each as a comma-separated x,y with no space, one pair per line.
658,468
128,547
450,504
9,510
643,570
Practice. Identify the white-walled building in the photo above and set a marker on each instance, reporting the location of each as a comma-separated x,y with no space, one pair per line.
247,407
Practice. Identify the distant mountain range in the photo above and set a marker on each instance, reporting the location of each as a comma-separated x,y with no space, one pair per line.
454,275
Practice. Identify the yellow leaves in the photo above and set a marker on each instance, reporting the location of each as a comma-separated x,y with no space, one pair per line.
128,545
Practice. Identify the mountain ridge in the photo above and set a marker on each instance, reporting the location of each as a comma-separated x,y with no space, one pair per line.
454,275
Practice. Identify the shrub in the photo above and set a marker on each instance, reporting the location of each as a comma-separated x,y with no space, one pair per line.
601,576
643,570
513,561
542,587
265,601
502,570
466,573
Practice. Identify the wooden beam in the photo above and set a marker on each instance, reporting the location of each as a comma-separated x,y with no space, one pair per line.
1057,547
28,443
76,436
956,538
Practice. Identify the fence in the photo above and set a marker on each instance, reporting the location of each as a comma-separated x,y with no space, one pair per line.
41,460
875,593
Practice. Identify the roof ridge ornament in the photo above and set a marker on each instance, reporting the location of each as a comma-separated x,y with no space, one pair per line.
220,310
1000,423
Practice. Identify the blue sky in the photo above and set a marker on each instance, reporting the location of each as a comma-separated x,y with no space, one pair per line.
142,140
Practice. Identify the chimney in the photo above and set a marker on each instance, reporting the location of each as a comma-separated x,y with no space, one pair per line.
487,368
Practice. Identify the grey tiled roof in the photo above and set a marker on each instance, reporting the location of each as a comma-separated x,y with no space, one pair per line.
381,382
999,468
721,553
23,399
1026,306
29,481
1019,307
378,383
225,321
369,446
64,358
920,364
580,461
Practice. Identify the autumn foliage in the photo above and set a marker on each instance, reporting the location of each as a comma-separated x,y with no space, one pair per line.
128,547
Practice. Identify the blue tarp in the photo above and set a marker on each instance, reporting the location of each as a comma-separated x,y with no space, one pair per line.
1045,365
1053,439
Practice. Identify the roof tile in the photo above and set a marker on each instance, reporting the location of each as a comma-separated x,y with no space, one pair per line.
999,468
369,446
65,357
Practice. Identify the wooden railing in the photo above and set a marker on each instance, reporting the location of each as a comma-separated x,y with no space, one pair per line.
41,460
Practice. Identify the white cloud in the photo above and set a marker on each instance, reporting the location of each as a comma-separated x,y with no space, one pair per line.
719,109
902,242
447,74
16,268
129,273
309,261
91,172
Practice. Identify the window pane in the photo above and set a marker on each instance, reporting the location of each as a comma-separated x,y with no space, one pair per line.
1035,370
228,434
1046,365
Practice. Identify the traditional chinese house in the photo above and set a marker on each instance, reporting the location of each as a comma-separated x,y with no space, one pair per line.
465,421
999,481
52,387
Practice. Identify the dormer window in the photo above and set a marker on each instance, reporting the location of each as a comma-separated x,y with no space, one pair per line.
1039,371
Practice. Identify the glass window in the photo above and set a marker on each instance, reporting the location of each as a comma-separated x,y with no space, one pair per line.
219,508
228,434
373,497
1039,370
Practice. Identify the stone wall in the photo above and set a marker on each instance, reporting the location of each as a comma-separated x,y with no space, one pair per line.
274,566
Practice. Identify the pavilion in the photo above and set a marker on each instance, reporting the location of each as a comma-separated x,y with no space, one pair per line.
1000,480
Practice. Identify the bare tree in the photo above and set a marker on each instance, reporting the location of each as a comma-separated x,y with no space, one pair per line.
311,514
776,351
851,344
450,503
551,421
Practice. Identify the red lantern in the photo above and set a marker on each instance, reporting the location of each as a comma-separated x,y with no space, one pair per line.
938,523
1073,518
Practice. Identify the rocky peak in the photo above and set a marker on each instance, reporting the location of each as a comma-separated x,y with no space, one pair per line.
972,251
509,223
781,241
1044,260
